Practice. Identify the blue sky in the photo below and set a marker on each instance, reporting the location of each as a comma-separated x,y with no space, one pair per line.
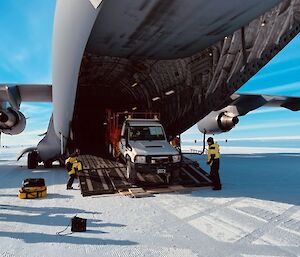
25,57
266,126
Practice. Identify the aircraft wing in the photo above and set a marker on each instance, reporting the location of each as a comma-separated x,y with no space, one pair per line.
244,103
15,94
12,121
225,117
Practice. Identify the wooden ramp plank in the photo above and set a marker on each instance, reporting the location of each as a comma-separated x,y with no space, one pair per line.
101,182
82,182
88,181
119,179
139,192
116,175
197,171
190,175
95,182
104,183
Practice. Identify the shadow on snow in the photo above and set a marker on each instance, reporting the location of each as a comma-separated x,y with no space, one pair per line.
57,217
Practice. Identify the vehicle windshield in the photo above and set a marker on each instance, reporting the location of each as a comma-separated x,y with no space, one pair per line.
146,133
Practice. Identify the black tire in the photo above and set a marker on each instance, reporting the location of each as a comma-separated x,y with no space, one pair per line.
48,164
110,149
32,160
113,153
61,163
165,178
175,176
130,171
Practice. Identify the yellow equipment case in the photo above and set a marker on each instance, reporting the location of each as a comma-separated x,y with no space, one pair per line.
33,188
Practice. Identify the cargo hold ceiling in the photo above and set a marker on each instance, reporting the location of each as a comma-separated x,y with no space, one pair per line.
125,55
160,29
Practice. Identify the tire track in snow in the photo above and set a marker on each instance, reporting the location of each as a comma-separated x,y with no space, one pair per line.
213,209
272,223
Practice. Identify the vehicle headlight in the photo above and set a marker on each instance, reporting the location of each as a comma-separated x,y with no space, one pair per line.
176,158
140,159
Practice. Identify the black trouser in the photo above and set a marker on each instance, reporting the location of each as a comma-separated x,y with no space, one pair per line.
214,174
71,180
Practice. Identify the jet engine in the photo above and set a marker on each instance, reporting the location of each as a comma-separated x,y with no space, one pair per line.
217,122
12,122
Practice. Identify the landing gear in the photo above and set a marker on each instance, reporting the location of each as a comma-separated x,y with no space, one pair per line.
32,160
48,164
61,162
130,171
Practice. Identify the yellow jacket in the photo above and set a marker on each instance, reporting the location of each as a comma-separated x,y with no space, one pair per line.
75,165
213,153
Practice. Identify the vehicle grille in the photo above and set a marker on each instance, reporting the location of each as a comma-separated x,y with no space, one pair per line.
159,159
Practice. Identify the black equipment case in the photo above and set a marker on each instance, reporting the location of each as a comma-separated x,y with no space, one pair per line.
78,224
33,182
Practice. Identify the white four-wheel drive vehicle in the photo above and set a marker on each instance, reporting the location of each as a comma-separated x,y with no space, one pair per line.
144,147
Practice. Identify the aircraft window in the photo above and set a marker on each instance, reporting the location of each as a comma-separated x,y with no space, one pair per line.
146,133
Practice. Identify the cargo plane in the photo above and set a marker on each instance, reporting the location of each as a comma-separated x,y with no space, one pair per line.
183,59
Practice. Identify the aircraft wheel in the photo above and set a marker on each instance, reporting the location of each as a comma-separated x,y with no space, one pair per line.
48,164
32,160
61,163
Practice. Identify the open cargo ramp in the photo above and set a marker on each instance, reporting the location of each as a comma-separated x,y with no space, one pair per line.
104,176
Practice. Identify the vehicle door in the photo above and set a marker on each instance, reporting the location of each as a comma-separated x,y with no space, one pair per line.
124,139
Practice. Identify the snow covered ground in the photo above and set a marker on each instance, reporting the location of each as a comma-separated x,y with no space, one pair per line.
244,149
256,214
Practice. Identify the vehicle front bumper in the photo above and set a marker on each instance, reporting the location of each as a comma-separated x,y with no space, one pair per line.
156,168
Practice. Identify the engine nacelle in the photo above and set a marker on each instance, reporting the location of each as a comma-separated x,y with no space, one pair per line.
12,122
217,122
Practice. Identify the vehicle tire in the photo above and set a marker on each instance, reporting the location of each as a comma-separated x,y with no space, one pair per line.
175,176
110,149
166,178
113,154
32,160
130,171
48,164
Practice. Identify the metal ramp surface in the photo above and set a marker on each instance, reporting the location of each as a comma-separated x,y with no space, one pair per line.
104,176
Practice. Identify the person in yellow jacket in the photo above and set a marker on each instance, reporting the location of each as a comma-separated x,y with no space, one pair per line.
213,159
72,165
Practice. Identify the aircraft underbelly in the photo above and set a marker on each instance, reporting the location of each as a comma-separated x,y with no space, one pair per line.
163,29
124,70
181,58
